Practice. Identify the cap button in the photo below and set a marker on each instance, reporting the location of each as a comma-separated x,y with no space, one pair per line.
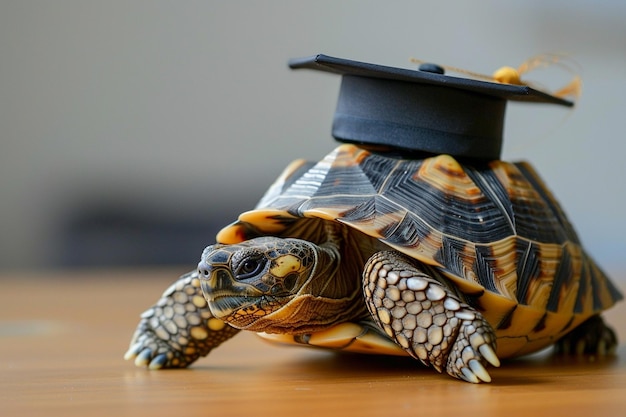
434,68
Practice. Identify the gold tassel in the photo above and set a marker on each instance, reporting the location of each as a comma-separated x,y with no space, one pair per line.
510,75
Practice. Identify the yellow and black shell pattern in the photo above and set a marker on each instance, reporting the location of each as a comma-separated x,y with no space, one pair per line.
493,229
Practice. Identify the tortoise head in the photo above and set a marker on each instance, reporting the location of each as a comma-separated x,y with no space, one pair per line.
262,284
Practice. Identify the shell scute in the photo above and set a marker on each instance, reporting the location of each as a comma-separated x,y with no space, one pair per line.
493,229
445,174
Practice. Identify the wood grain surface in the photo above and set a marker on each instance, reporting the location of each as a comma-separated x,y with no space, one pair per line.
63,335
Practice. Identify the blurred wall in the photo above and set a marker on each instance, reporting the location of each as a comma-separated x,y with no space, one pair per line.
131,130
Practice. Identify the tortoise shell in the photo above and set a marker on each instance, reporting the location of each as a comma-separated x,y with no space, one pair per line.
493,229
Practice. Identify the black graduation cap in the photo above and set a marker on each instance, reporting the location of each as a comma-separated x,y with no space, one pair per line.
420,110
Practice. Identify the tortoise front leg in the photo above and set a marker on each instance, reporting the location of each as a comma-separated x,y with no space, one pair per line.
178,329
427,319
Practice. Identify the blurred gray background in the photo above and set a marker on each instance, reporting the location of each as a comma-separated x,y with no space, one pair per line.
132,130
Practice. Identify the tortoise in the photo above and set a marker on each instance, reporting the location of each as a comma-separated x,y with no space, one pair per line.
456,263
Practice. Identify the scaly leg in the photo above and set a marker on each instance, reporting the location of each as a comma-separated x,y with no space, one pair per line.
592,337
427,319
178,329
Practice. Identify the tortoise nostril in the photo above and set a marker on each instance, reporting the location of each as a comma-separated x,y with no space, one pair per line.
204,270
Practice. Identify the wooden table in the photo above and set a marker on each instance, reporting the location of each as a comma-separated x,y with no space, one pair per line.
63,335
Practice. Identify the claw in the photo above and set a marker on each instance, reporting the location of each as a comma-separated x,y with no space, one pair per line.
479,370
143,358
132,351
469,376
158,362
489,355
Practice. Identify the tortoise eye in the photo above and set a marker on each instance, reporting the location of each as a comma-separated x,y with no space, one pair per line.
249,267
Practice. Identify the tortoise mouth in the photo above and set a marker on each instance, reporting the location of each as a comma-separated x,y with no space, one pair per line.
224,296
239,305
242,311
223,305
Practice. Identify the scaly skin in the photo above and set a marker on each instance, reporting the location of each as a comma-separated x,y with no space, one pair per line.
427,319
178,329
593,337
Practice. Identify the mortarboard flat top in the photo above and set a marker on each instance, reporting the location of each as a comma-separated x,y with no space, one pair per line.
420,111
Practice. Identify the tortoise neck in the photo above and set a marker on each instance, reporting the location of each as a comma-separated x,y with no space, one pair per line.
327,298
334,287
